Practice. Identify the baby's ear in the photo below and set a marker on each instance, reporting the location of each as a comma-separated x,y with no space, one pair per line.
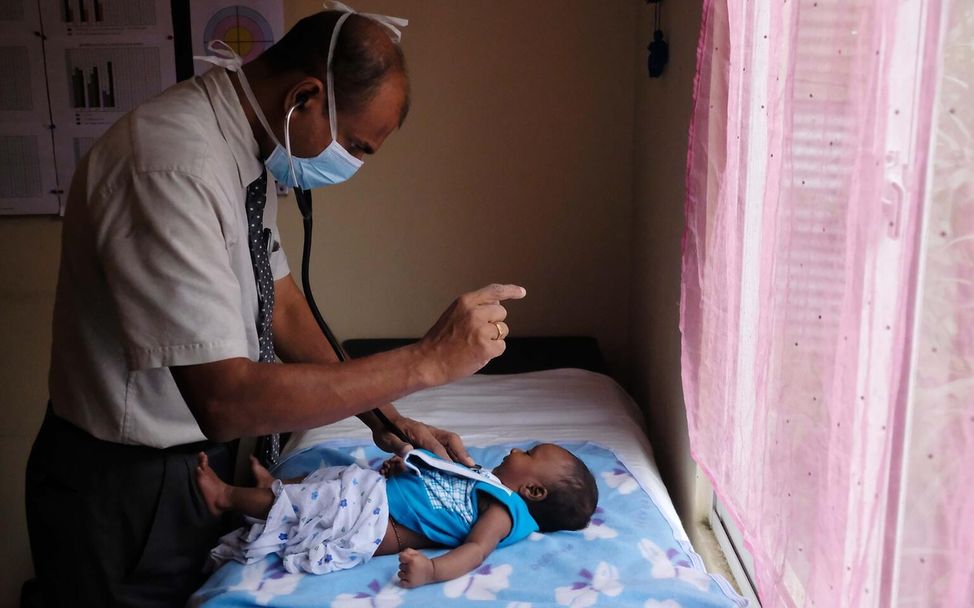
533,491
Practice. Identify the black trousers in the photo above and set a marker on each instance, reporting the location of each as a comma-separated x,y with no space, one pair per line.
118,525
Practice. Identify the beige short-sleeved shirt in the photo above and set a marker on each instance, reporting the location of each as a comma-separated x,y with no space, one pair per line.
155,266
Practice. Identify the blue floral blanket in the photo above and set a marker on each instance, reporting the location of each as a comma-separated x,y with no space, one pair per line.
628,556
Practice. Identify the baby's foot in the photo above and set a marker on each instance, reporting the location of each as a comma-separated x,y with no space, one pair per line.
392,467
215,491
262,477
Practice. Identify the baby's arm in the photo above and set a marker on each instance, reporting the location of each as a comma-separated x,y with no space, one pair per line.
492,526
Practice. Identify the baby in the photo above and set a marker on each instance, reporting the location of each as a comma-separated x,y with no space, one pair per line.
339,517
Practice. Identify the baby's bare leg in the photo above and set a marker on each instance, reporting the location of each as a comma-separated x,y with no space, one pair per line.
262,477
221,497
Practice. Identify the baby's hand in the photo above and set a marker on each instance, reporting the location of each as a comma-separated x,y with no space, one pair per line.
415,569
392,467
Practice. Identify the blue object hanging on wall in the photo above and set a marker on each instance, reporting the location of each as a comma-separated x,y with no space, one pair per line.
659,50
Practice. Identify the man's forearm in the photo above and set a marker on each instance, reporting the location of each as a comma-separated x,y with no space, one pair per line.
238,397
255,398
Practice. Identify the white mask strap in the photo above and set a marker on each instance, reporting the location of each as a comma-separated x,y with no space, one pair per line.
330,78
224,56
392,23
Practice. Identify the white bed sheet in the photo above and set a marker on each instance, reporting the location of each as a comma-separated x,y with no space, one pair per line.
552,405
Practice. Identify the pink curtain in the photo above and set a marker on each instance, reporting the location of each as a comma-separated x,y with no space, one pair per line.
828,294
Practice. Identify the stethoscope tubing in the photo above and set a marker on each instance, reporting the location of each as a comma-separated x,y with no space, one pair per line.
304,204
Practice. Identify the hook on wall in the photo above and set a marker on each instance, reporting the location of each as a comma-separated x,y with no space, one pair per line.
659,50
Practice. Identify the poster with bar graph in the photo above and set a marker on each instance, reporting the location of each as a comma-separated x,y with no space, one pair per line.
108,79
70,69
28,180
88,16
93,14
104,57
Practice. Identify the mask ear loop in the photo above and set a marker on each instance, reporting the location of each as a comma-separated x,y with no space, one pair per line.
330,84
330,78
391,23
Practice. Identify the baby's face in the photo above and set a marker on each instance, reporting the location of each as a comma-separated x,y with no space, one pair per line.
543,463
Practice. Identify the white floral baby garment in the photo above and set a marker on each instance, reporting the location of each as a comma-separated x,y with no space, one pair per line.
333,520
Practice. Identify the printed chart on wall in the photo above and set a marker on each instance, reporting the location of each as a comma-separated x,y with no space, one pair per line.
248,27
77,67
104,57
28,181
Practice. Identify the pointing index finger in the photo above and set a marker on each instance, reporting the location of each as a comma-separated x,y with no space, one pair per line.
497,293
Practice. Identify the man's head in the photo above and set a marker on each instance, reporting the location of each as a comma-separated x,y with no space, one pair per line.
558,488
370,82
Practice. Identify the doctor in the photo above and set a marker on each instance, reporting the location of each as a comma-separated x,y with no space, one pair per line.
174,297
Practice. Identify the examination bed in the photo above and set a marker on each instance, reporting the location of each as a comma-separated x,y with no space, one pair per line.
634,553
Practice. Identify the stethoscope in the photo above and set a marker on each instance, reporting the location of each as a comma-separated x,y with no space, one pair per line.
304,205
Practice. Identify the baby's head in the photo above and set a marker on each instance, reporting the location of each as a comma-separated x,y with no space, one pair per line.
558,488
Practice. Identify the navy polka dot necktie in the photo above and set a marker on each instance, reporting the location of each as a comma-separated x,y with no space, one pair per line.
258,239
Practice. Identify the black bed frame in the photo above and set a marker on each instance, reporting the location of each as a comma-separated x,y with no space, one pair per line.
527,354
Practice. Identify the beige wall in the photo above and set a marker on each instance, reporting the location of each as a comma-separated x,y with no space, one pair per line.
29,249
662,119
516,164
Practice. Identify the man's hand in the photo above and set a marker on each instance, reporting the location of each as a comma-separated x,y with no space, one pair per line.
471,331
415,569
444,444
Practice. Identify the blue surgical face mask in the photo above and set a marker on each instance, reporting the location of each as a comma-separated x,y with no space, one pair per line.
333,166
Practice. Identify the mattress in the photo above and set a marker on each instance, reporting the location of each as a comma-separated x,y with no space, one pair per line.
557,405
635,552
